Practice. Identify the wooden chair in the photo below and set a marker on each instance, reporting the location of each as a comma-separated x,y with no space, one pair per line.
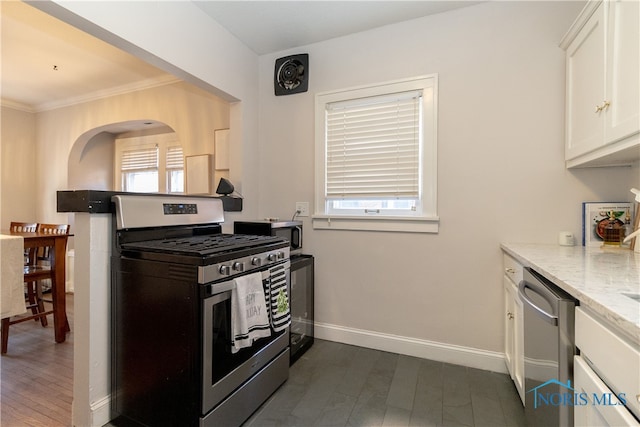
53,228
29,257
23,227
37,268
43,255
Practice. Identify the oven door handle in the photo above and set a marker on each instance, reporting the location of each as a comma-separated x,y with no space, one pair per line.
219,288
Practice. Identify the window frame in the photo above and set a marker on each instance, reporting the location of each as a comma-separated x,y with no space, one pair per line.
137,148
427,221
168,170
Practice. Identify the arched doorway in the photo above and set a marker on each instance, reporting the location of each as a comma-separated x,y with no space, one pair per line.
91,160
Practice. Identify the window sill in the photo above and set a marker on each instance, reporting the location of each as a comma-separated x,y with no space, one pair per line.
377,223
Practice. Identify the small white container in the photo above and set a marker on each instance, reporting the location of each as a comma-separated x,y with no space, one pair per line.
565,238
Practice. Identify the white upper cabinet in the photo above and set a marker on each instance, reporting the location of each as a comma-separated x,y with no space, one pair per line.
585,87
603,85
623,69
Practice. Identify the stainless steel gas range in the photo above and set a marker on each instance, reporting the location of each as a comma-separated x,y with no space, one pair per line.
173,273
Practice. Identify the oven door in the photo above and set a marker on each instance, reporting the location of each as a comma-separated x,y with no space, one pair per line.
224,371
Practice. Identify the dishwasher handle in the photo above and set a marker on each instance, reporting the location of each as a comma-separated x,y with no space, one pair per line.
547,317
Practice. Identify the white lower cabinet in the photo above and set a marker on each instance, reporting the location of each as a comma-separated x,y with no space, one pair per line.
606,374
597,404
513,324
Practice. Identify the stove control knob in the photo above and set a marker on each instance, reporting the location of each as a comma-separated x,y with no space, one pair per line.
256,261
272,257
280,255
224,269
238,266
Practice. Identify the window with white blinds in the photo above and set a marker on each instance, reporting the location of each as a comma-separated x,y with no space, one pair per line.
175,170
140,159
149,164
373,147
376,157
175,158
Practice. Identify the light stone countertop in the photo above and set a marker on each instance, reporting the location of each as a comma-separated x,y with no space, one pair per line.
597,277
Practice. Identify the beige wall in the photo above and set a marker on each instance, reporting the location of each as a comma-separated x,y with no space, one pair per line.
91,165
69,132
71,148
17,167
182,40
37,147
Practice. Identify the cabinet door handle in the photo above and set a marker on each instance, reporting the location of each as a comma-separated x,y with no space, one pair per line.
510,270
509,315
604,106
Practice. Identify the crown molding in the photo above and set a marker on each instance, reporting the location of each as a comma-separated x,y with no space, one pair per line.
586,13
106,93
16,106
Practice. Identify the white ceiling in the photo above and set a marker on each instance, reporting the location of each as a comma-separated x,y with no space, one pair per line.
47,63
272,26
33,43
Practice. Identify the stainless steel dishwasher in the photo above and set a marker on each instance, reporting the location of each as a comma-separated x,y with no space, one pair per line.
549,347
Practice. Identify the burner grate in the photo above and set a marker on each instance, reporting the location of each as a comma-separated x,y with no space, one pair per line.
206,245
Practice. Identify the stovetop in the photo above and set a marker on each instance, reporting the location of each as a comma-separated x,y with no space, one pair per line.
205,246
181,230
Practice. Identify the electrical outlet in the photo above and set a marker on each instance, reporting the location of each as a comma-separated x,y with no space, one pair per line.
303,208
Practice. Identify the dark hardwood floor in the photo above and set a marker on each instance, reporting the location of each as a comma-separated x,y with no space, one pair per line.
331,385
36,376
335,384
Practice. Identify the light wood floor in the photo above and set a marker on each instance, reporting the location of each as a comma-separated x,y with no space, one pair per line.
36,376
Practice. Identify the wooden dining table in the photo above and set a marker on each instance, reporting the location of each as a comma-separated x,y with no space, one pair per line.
58,283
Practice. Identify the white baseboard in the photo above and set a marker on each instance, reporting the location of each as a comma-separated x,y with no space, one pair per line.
100,411
441,352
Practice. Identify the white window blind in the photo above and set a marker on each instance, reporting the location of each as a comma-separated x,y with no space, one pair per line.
140,159
376,157
175,159
175,169
373,147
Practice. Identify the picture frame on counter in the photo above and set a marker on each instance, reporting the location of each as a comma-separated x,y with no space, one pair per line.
600,219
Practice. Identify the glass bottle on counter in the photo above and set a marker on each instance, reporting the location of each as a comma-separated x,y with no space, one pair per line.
614,231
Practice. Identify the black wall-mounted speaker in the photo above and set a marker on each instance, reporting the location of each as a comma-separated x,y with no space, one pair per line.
291,74
225,187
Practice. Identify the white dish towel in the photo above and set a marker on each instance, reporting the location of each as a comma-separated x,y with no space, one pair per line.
249,317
